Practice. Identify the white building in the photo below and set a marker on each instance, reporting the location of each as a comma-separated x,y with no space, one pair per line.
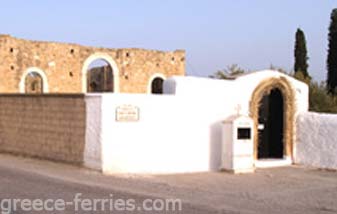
181,131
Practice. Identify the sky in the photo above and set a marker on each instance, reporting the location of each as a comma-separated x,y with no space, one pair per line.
215,33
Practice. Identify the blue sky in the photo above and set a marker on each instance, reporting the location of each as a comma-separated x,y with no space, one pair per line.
215,33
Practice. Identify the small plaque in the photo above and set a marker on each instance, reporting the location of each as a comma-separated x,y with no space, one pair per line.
127,113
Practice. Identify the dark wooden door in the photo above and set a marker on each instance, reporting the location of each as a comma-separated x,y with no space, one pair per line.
270,129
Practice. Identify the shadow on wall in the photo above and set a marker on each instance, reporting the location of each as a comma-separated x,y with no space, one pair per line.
215,146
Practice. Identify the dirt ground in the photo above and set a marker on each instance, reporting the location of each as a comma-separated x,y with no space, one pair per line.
295,189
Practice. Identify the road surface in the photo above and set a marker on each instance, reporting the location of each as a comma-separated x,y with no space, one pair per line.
281,190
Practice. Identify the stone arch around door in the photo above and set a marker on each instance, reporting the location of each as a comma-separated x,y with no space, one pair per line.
106,57
283,85
22,84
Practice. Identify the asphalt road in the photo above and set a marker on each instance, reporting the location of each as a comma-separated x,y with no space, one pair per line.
294,189
23,185
16,184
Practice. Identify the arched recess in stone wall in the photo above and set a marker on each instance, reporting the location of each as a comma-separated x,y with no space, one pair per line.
109,60
152,78
22,84
288,94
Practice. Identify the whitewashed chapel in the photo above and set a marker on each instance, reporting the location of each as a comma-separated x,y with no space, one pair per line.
198,124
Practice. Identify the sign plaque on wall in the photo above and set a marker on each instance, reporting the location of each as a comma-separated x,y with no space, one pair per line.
127,113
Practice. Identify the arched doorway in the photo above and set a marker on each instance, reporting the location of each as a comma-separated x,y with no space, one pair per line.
272,107
100,73
270,128
157,85
100,76
33,81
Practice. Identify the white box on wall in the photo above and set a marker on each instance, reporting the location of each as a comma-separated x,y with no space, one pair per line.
237,144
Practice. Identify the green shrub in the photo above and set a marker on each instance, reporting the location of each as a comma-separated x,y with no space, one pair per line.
319,99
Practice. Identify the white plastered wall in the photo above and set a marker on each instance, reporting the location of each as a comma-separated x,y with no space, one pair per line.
179,131
317,140
93,130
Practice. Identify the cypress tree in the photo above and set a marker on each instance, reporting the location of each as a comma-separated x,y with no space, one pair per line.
332,54
301,58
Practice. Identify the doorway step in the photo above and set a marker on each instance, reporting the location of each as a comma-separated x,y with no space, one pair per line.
272,162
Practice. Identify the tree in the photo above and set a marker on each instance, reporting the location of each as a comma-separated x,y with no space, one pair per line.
229,73
332,54
301,58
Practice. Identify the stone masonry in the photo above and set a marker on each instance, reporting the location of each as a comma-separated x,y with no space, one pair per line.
63,64
43,126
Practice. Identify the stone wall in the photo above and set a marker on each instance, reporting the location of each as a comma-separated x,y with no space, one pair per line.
44,126
63,64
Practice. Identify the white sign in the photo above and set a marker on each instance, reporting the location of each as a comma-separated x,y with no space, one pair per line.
127,113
